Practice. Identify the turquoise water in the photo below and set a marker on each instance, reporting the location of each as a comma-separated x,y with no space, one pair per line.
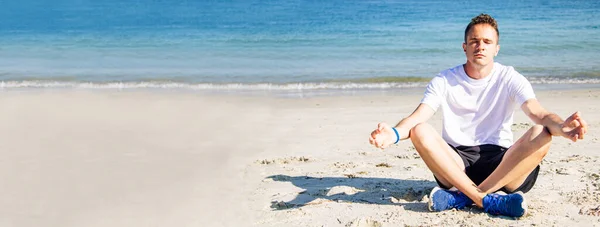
283,44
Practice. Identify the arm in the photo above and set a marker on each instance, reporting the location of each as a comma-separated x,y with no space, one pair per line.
420,115
573,128
385,136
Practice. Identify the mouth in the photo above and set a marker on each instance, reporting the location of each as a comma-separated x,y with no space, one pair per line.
479,55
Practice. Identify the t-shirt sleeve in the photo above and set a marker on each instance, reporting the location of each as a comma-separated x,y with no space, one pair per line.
434,93
521,89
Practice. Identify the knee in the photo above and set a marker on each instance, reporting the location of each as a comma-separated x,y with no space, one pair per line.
420,130
539,134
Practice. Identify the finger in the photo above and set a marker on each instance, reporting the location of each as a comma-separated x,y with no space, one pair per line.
584,125
581,132
373,134
571,118
570,135
574,137
576,120
380,126
372,140
383,146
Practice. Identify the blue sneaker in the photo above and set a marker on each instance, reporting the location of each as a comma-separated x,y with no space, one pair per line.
441,199
512,205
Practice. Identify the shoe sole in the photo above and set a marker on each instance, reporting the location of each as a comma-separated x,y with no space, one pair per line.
430,202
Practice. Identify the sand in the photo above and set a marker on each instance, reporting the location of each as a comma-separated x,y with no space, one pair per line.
151,158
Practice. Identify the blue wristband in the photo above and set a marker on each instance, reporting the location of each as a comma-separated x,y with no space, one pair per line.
397,136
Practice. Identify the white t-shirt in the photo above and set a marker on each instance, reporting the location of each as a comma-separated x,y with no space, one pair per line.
481,111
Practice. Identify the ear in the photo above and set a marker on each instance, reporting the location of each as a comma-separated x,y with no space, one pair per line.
464,46
497,49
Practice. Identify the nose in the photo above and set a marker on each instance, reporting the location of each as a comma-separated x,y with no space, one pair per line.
480,45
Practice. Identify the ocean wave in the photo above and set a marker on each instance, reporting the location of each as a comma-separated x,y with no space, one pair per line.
203,86
563,80
361,85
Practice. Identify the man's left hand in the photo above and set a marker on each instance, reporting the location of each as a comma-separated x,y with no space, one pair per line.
574,127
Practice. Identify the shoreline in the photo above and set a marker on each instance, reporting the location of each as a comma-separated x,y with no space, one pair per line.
284,93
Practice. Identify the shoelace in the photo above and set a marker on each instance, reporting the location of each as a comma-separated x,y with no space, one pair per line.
461,200
458,199
494,204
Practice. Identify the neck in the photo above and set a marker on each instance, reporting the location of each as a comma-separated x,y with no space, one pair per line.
477,72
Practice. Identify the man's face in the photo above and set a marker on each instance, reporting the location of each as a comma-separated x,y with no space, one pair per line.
482,45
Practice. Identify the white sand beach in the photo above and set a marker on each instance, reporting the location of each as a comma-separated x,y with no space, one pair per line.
147,158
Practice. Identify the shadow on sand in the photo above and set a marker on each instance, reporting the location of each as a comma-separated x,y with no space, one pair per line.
384,191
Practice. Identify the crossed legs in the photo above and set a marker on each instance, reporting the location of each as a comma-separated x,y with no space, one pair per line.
517,163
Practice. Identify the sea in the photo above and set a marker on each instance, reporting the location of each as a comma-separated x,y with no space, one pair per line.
281,45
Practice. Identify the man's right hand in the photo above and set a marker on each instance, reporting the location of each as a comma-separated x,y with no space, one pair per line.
383,136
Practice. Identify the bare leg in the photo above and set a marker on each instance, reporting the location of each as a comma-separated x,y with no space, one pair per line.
436,154
518,162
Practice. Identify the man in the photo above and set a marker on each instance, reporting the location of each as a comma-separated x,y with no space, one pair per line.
475,155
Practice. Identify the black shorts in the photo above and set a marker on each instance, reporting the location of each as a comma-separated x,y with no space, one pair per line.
480,161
